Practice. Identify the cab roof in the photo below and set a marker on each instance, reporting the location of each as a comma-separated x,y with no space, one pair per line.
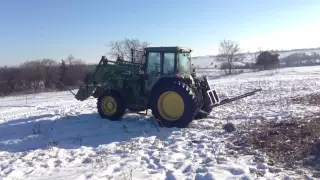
167,49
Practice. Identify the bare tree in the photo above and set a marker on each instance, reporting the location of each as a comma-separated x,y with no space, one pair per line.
31,73
39,72
122,48
229,52
72,61
72,71
49,72
9,79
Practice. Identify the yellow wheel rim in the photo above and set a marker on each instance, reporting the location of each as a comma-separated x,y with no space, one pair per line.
171,105
108,105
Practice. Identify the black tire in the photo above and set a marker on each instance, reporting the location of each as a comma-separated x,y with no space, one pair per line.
120,106
189,102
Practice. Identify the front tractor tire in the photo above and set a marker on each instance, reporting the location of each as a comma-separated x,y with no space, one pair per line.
173,104
111,105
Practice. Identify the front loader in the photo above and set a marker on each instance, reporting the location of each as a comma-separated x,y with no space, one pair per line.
156,78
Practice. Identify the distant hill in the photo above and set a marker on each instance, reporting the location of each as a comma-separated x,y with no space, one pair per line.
210,61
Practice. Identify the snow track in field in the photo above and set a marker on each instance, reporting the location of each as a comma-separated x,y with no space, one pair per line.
54,136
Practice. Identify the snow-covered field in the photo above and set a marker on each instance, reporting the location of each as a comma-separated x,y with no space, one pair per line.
54,136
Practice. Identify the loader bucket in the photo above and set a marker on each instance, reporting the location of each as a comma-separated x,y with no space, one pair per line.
84,92
81,94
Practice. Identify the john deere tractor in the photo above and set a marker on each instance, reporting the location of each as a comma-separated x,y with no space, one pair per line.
156,78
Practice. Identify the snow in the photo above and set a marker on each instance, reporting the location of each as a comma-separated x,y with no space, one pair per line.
54,136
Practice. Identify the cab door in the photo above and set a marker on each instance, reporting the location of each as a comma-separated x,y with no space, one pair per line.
153,68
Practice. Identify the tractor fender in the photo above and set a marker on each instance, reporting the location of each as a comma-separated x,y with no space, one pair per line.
164,80
100,88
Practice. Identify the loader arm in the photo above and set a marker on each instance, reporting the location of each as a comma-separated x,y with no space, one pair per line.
104,73
96,78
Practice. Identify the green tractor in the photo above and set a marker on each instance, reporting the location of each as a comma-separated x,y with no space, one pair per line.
156,78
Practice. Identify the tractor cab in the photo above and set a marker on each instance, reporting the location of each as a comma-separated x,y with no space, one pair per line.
167,61
160,62
164,60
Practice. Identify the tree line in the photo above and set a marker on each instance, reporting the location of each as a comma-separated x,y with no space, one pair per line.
42,75
230,53
301,59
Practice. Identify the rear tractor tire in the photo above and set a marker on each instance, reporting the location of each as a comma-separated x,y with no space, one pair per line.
111,105
174,104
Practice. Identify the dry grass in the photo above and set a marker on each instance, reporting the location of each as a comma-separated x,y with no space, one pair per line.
293,143
287,142
311,99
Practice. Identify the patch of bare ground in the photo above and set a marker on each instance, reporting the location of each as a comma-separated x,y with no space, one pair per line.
310,99
294,144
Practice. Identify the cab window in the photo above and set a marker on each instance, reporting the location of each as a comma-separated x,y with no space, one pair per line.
168,63
153,67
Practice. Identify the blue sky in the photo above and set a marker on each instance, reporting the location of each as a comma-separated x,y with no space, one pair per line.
54,29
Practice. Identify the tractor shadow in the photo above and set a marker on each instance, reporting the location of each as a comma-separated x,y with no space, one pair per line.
71,132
